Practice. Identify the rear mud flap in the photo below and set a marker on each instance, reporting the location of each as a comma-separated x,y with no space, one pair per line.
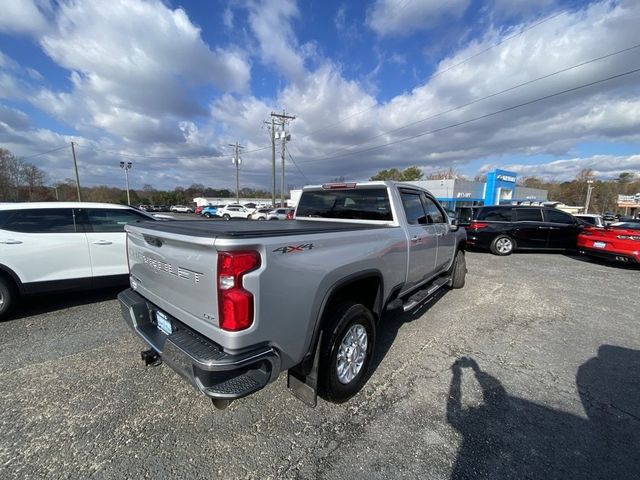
305,387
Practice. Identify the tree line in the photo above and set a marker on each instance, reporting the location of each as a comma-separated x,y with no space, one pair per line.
21,181
604,196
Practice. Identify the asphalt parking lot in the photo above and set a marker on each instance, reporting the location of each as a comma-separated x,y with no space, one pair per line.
530,371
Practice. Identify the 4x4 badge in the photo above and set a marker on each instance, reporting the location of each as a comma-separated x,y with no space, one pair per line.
294,248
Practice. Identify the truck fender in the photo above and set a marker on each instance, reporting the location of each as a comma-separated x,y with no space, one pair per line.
306,365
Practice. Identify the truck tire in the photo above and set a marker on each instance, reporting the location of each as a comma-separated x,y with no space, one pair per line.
346,352
502,245
458,270
8,295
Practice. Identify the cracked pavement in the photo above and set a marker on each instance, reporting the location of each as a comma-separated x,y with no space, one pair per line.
530,371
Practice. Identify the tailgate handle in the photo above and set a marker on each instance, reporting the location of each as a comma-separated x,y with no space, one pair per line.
154,241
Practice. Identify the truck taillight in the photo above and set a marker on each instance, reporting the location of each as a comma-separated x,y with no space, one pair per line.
235,304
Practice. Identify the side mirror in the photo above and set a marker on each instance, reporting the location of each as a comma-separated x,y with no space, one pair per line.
454,224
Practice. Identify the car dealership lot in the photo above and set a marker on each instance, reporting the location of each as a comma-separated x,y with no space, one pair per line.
531,370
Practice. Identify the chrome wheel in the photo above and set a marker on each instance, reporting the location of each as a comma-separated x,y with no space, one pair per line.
351,353
504,245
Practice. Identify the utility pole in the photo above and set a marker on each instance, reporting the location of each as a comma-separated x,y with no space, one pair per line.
588,200
237,161
272,129
283,135
127,166
75,166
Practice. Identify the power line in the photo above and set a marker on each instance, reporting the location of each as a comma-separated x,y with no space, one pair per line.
435,74
297,167
44,153
475,119
506,39
486,97
158,157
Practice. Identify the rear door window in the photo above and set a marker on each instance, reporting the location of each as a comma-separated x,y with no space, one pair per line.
528,215
43,220
414,209
434,214
111,219
496,214
557,216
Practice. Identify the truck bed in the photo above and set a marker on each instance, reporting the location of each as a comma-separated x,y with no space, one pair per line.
252,228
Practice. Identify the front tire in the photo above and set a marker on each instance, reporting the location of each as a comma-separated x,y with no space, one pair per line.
458,270
346,352
8,296
226,216
502,245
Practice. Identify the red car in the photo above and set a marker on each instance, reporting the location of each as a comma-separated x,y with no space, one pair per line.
618,242
198,210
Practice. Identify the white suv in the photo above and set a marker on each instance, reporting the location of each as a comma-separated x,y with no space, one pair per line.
235,211
54,246
181,209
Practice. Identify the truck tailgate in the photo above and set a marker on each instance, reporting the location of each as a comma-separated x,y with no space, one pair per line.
175,272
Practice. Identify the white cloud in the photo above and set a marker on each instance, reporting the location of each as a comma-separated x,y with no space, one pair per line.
134,66
270,23
403,17
14,118
22,16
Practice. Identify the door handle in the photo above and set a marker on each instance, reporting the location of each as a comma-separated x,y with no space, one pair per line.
415,239
10,241
544,228
102,242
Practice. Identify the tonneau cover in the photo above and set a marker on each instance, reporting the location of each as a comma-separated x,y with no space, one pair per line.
251,228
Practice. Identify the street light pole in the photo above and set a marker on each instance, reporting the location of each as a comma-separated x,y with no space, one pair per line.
126,166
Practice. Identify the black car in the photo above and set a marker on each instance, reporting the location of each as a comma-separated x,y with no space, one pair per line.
504,229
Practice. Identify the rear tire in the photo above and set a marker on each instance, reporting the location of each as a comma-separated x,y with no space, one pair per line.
346,352
458,270
207,215
8,296
503,245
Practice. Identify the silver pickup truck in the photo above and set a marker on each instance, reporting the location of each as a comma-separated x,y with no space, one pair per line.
231,305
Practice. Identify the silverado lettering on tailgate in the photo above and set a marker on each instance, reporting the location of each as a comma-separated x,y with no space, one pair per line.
178,272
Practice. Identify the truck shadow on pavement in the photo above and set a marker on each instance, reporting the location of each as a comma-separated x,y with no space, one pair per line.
41,304
510,437
390,324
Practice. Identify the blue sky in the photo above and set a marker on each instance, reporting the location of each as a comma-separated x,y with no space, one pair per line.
388,83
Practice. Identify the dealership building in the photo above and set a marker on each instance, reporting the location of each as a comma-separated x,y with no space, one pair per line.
499,189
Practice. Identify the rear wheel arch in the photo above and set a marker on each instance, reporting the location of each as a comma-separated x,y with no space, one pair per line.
10,289
365,288
13,277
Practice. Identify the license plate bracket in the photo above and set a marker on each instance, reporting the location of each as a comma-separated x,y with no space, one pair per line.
163,323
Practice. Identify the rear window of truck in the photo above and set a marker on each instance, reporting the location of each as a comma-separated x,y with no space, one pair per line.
351,204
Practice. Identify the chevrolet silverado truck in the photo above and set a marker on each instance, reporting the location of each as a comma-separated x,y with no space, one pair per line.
230,306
